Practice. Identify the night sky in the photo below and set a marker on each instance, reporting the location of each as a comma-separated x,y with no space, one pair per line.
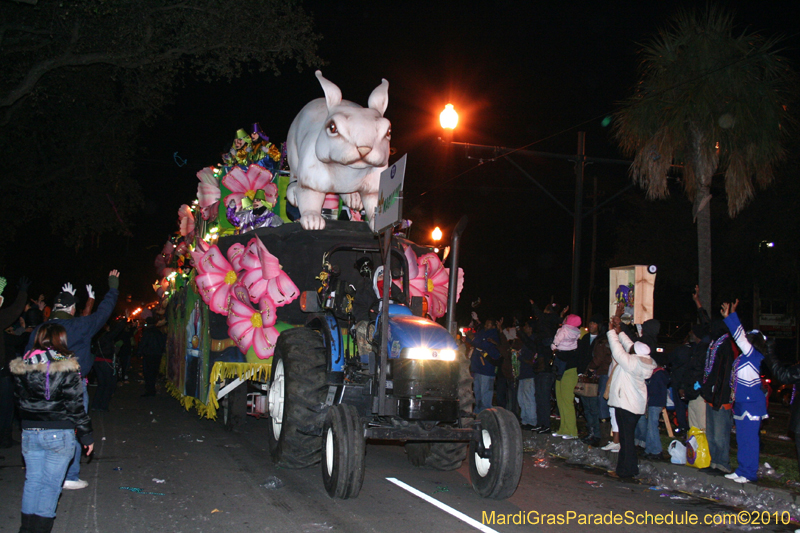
520,74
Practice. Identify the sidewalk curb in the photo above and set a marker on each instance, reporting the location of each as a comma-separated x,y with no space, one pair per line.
673,477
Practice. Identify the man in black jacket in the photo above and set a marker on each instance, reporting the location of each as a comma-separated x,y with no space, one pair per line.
716,391
151,348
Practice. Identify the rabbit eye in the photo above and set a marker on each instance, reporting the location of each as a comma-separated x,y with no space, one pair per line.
389,133
332,128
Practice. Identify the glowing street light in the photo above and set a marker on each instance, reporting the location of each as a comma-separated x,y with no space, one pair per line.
436,234
448,118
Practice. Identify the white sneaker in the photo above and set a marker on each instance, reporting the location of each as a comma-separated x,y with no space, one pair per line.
611,447
741,479
74,485
557,434
568,437
732,475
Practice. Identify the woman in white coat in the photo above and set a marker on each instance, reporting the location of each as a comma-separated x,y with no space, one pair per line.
628,393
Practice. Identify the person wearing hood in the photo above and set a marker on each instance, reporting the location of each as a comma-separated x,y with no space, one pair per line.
50,392
628,393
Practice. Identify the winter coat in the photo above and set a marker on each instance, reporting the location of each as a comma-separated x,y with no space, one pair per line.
585,350
527,355
790,375
152,343
627,389
50,393
657,385
716,389
485,356
80,330
601,356
566,338
7,317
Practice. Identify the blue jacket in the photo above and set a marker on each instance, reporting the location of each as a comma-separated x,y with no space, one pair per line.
657,388
750,397
484,349
80,330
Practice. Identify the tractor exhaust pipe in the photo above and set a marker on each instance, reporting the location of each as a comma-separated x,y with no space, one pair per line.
450,318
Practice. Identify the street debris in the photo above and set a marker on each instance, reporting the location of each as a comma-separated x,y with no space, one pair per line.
137,490
442,488
159,480
272,482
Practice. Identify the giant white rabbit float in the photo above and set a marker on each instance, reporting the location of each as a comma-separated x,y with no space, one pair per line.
339,147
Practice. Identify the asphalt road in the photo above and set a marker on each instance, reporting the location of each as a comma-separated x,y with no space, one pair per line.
207,479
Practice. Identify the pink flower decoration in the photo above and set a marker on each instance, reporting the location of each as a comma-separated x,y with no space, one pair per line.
208,193
251,328
263,275
235,255
186,220
241,184
197,255
216,278
432,283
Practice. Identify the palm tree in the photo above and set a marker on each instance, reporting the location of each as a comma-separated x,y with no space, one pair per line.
713,103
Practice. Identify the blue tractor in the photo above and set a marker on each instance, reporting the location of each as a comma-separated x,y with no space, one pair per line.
349,371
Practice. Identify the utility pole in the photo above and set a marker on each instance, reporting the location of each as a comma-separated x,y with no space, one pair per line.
577,212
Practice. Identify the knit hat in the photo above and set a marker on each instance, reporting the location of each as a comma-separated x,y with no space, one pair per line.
641,348
64,300
597,319
573,320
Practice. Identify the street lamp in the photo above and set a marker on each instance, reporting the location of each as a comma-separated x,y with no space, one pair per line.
436,234
448,118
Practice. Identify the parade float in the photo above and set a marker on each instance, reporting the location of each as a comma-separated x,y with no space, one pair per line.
275,287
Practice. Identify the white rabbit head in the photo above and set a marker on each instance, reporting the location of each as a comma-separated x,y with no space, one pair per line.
354,136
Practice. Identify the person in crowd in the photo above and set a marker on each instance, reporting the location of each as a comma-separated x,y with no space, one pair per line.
686,368
80,331
104,349
594,346
123,343
484,361
565,346
505,381
716,391
87,309
526,386
790,375
547,323
628,393
151,349
749,400
647,435
7,317
50,393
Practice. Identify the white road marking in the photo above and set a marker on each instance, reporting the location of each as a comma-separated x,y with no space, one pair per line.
446,508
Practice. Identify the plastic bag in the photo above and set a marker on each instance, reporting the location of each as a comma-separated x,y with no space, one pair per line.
677,453
697,453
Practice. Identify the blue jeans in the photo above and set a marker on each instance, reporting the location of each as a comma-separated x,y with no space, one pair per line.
601,387
718,433
526,394
74,471
591,410
484,390
544,387
647,431
47,453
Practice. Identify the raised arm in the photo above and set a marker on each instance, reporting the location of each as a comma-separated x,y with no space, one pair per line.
735,326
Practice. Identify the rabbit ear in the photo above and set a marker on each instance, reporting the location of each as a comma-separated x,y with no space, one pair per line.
333,95
379,98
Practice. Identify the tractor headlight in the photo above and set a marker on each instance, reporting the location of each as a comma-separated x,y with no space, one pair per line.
428,354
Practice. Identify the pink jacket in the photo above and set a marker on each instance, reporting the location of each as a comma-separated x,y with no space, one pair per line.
566,338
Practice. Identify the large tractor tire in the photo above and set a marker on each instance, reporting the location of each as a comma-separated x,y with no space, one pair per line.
233,408
497,475
343,452
446,455
296,395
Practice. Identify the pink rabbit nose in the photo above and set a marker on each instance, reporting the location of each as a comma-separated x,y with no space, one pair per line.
364,150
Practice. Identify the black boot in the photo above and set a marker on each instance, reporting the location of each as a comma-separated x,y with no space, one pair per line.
41,524
26,523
